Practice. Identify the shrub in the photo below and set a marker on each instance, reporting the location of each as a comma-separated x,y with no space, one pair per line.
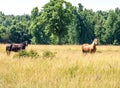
33,53
48,54
23,53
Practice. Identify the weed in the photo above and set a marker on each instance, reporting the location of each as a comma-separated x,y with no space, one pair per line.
23,53
49,54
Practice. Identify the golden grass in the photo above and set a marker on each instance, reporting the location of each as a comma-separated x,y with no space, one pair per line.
68,69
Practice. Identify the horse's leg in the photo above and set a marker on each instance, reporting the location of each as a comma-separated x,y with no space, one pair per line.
92,51
8,52
84,52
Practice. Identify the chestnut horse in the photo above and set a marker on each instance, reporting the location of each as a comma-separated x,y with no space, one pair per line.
16,47
91,48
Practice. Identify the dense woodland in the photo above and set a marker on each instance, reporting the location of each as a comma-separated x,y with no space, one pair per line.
58,22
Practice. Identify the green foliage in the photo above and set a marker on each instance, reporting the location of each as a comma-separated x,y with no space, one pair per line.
34,13
33,54
112,28
53,39
57,16
99,27
14,28
19,33
58,22
23,53
37,28
48,54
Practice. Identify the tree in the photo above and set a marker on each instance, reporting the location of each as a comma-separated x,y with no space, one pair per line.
99,28
34,13
117,31
57,15
84,25
4,35
19,33
110,27
37,28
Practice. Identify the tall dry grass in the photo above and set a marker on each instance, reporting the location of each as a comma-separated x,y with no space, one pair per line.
68,69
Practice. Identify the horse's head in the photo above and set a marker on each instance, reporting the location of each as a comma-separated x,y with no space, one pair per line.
95,41
25,43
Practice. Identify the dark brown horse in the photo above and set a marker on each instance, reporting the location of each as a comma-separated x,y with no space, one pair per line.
16,47
91,48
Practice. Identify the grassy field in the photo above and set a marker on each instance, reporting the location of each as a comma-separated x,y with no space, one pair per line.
69,68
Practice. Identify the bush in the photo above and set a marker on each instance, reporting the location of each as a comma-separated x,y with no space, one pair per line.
23,53
48,54
33,53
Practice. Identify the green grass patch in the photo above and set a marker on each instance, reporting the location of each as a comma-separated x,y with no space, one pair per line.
48,54
23,53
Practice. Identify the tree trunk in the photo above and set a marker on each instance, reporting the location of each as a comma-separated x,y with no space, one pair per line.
59,39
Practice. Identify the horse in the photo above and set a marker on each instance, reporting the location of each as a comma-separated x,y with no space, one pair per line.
16,47
89,48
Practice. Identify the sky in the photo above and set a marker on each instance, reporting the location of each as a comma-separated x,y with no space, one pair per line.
20,7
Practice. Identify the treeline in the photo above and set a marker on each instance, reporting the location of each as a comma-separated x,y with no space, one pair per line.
61,23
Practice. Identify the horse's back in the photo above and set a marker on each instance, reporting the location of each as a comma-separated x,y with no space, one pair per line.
16,47
85,47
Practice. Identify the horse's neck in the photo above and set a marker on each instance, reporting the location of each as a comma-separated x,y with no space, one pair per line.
93,44
23,46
